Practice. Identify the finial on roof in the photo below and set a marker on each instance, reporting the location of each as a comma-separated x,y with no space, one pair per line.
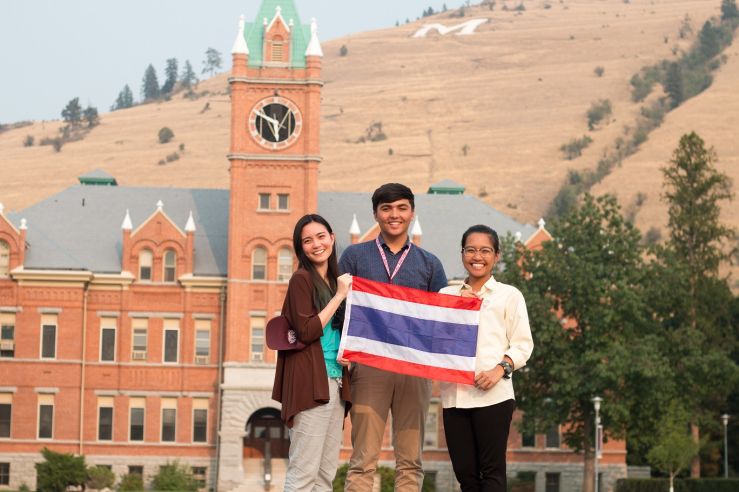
291,23
190,226
264,22
127,225
2,208
354,229
24,224
517,236
278,10
314,47
417,231
541,223
240,46
160,205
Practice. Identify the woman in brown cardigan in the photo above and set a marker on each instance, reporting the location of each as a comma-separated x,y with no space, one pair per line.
311,384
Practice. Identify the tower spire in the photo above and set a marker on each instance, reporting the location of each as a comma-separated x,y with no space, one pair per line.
314,47
240,46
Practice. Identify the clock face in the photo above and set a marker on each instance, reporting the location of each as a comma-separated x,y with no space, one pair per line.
275,123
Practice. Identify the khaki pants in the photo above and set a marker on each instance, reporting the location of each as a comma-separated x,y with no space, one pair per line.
374,393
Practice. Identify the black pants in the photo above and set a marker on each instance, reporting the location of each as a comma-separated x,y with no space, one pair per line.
477,439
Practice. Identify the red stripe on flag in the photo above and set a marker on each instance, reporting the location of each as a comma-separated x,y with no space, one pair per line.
411,368
408,294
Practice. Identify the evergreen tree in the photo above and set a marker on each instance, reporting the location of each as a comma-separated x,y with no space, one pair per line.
124,100
171,74
691,300
188,78
91,116
60,470
709,43
592,276
150,85
72,112
729,10
212,61
674,84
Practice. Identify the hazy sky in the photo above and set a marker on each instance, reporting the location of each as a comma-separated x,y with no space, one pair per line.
54,50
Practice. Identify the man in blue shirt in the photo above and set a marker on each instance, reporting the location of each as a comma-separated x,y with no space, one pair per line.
391,258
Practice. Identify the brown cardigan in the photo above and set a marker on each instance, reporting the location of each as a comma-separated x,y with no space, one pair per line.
301,380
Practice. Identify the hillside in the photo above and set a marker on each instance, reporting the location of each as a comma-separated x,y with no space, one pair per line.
488,110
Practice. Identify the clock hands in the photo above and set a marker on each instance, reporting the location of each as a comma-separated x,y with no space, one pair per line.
274,125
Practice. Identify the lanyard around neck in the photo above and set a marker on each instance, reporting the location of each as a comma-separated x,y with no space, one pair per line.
384,259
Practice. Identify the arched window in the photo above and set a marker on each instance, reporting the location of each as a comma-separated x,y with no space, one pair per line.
4,258
170,265
145,258
259,264
284,265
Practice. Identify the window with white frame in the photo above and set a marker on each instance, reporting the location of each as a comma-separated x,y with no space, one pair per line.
171,338
107,339
170,266
6,414
137,413
4,259
431,431
283,201
200,420
105,418
48,336
264,199
140,338
146,258
169,419
257,337
202,341
259,264
7,334
45,416
284,264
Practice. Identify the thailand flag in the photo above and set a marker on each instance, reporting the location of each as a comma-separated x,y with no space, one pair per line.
411,331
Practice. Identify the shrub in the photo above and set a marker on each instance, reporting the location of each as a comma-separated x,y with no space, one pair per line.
652,236
598,111
182,147
174,476
28,141
57,143
575,146
165,135
172,157
599,71
520,7
131,482
100,477
24,488
59,470
343,51
690,485
643,82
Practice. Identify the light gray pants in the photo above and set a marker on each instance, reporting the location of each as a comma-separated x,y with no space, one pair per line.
315,441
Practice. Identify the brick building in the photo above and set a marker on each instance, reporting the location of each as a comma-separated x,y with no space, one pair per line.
133,318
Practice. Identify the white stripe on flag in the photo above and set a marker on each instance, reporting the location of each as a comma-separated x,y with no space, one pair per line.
456,362
416,310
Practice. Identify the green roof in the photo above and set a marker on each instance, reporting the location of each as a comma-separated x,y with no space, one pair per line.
98,177
299,35
446,187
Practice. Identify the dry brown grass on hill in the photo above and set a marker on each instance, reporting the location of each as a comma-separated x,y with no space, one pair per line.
489,110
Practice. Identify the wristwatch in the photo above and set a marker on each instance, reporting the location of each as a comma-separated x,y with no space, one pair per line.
507,369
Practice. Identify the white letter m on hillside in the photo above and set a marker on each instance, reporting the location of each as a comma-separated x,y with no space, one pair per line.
465,29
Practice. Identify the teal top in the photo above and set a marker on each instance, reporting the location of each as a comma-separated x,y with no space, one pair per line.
330,344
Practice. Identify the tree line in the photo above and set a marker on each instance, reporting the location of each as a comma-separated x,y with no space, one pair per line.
175,79
651,330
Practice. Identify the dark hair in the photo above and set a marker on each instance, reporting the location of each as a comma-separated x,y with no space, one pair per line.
322,292
391,192
483,229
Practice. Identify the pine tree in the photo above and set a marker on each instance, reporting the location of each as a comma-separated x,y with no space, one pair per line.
212,61
72,112
709,43
171,74
91,116
150,85
188,78
124,100
674,84
729,10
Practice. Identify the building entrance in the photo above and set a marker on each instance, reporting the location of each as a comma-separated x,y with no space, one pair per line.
265,430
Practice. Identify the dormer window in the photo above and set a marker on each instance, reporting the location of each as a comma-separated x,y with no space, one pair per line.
145,261
170,265
4,259
259,264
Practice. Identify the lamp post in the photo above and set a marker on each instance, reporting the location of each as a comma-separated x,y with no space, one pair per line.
725,420
596,446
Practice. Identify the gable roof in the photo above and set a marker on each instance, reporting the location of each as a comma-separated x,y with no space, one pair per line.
299,33
80,227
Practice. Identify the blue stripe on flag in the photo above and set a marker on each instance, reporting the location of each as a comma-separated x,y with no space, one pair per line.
435,337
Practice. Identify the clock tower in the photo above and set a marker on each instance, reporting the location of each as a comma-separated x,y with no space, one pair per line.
274,155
